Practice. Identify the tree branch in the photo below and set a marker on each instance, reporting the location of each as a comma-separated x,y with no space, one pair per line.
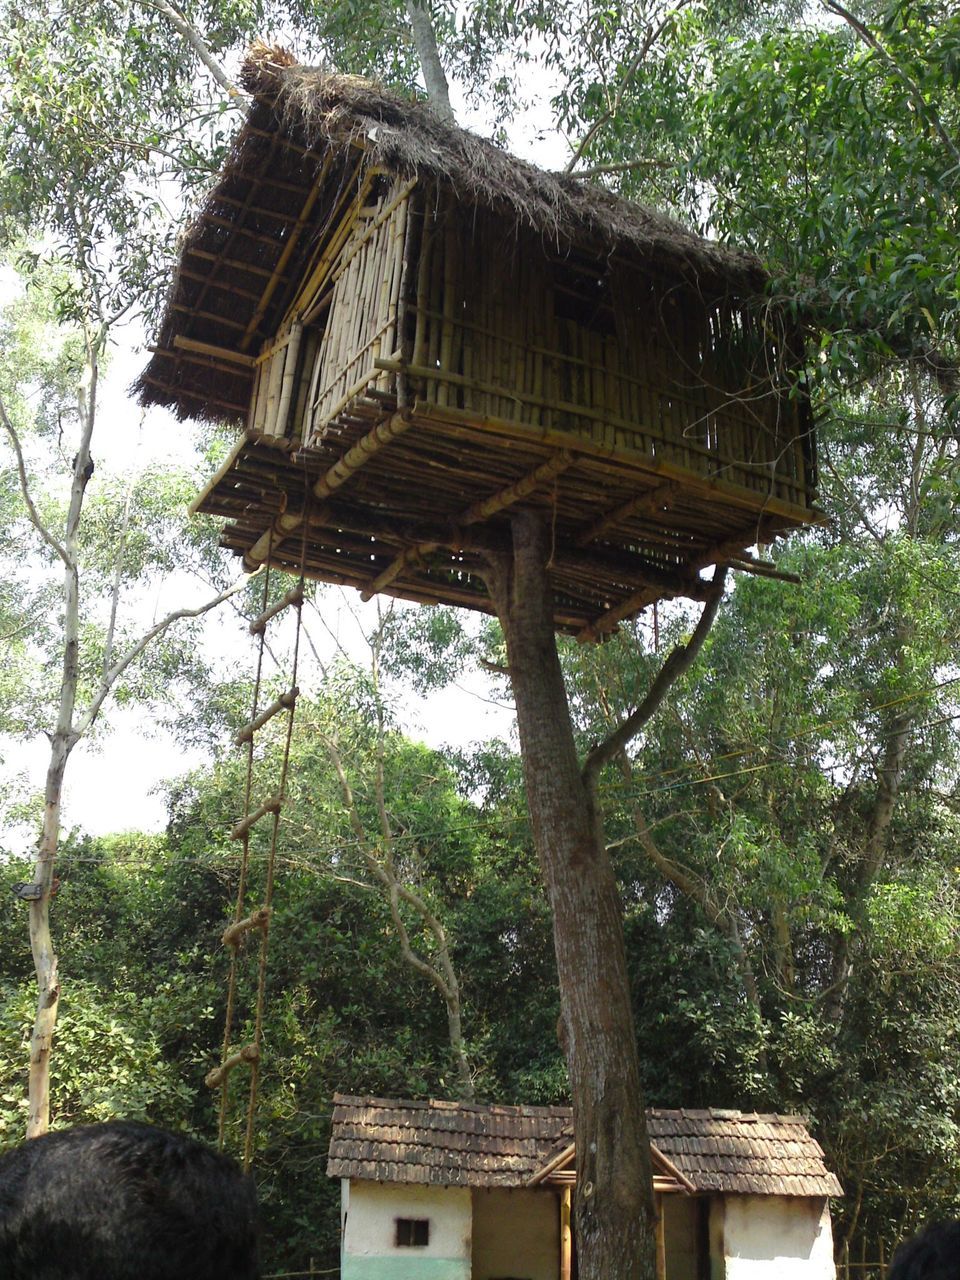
599,169
649,40
196,41
676,663
924,109
117,578
32,513
113,674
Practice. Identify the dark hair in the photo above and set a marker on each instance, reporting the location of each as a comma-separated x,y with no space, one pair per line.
934,1254
124,1201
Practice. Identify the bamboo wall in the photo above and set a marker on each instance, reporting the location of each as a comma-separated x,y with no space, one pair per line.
508,327
483,321
343,322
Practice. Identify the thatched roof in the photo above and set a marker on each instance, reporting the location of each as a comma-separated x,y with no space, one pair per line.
482,1145
242,257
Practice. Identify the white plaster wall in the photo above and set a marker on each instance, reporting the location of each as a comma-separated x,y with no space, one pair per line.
369,1230
789,1233
516,1233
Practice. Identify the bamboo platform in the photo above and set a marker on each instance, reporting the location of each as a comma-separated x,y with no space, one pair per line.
415,517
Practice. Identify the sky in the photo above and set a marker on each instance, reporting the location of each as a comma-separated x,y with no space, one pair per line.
114,782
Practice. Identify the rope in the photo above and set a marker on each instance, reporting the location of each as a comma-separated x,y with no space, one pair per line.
244,871
279,796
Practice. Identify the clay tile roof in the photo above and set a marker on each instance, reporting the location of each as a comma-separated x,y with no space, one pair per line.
743,1152
471,1144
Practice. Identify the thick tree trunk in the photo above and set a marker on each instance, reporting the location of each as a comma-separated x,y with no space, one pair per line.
615,1217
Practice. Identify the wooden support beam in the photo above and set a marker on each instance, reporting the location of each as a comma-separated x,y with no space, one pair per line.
204,397
208,349
566,1235
667,1165
394,570
230,225
206,315
205,362
223,286
479,511
249,1053
281,528
726,552
386,430
292,599
286,702
557,1162
238,264
365,448
282,215
660,498
514,493
273,805
224,469
608,622
661,1239
236,932
762,568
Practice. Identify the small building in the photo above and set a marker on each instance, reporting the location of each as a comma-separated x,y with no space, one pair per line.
463,1191
416,332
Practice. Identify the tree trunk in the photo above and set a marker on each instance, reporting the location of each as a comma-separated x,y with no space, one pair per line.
425,39
62,742
41,946
615,1216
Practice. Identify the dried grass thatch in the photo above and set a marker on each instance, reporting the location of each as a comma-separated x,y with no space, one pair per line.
238,266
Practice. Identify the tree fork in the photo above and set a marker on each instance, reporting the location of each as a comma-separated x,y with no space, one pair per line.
615,1215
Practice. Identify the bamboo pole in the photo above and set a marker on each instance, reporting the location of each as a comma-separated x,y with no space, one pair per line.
274,382
316,274
450,253
208,349
420,340
341,471
205,362
394,570
292,240
662,496
289,374
260,397
381,435
541,475
566,1235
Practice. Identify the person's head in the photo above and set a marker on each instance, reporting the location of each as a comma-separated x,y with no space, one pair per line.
934,1254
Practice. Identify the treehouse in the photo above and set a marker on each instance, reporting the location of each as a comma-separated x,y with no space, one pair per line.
417,332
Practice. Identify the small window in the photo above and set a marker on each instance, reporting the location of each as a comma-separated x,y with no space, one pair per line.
412,1232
